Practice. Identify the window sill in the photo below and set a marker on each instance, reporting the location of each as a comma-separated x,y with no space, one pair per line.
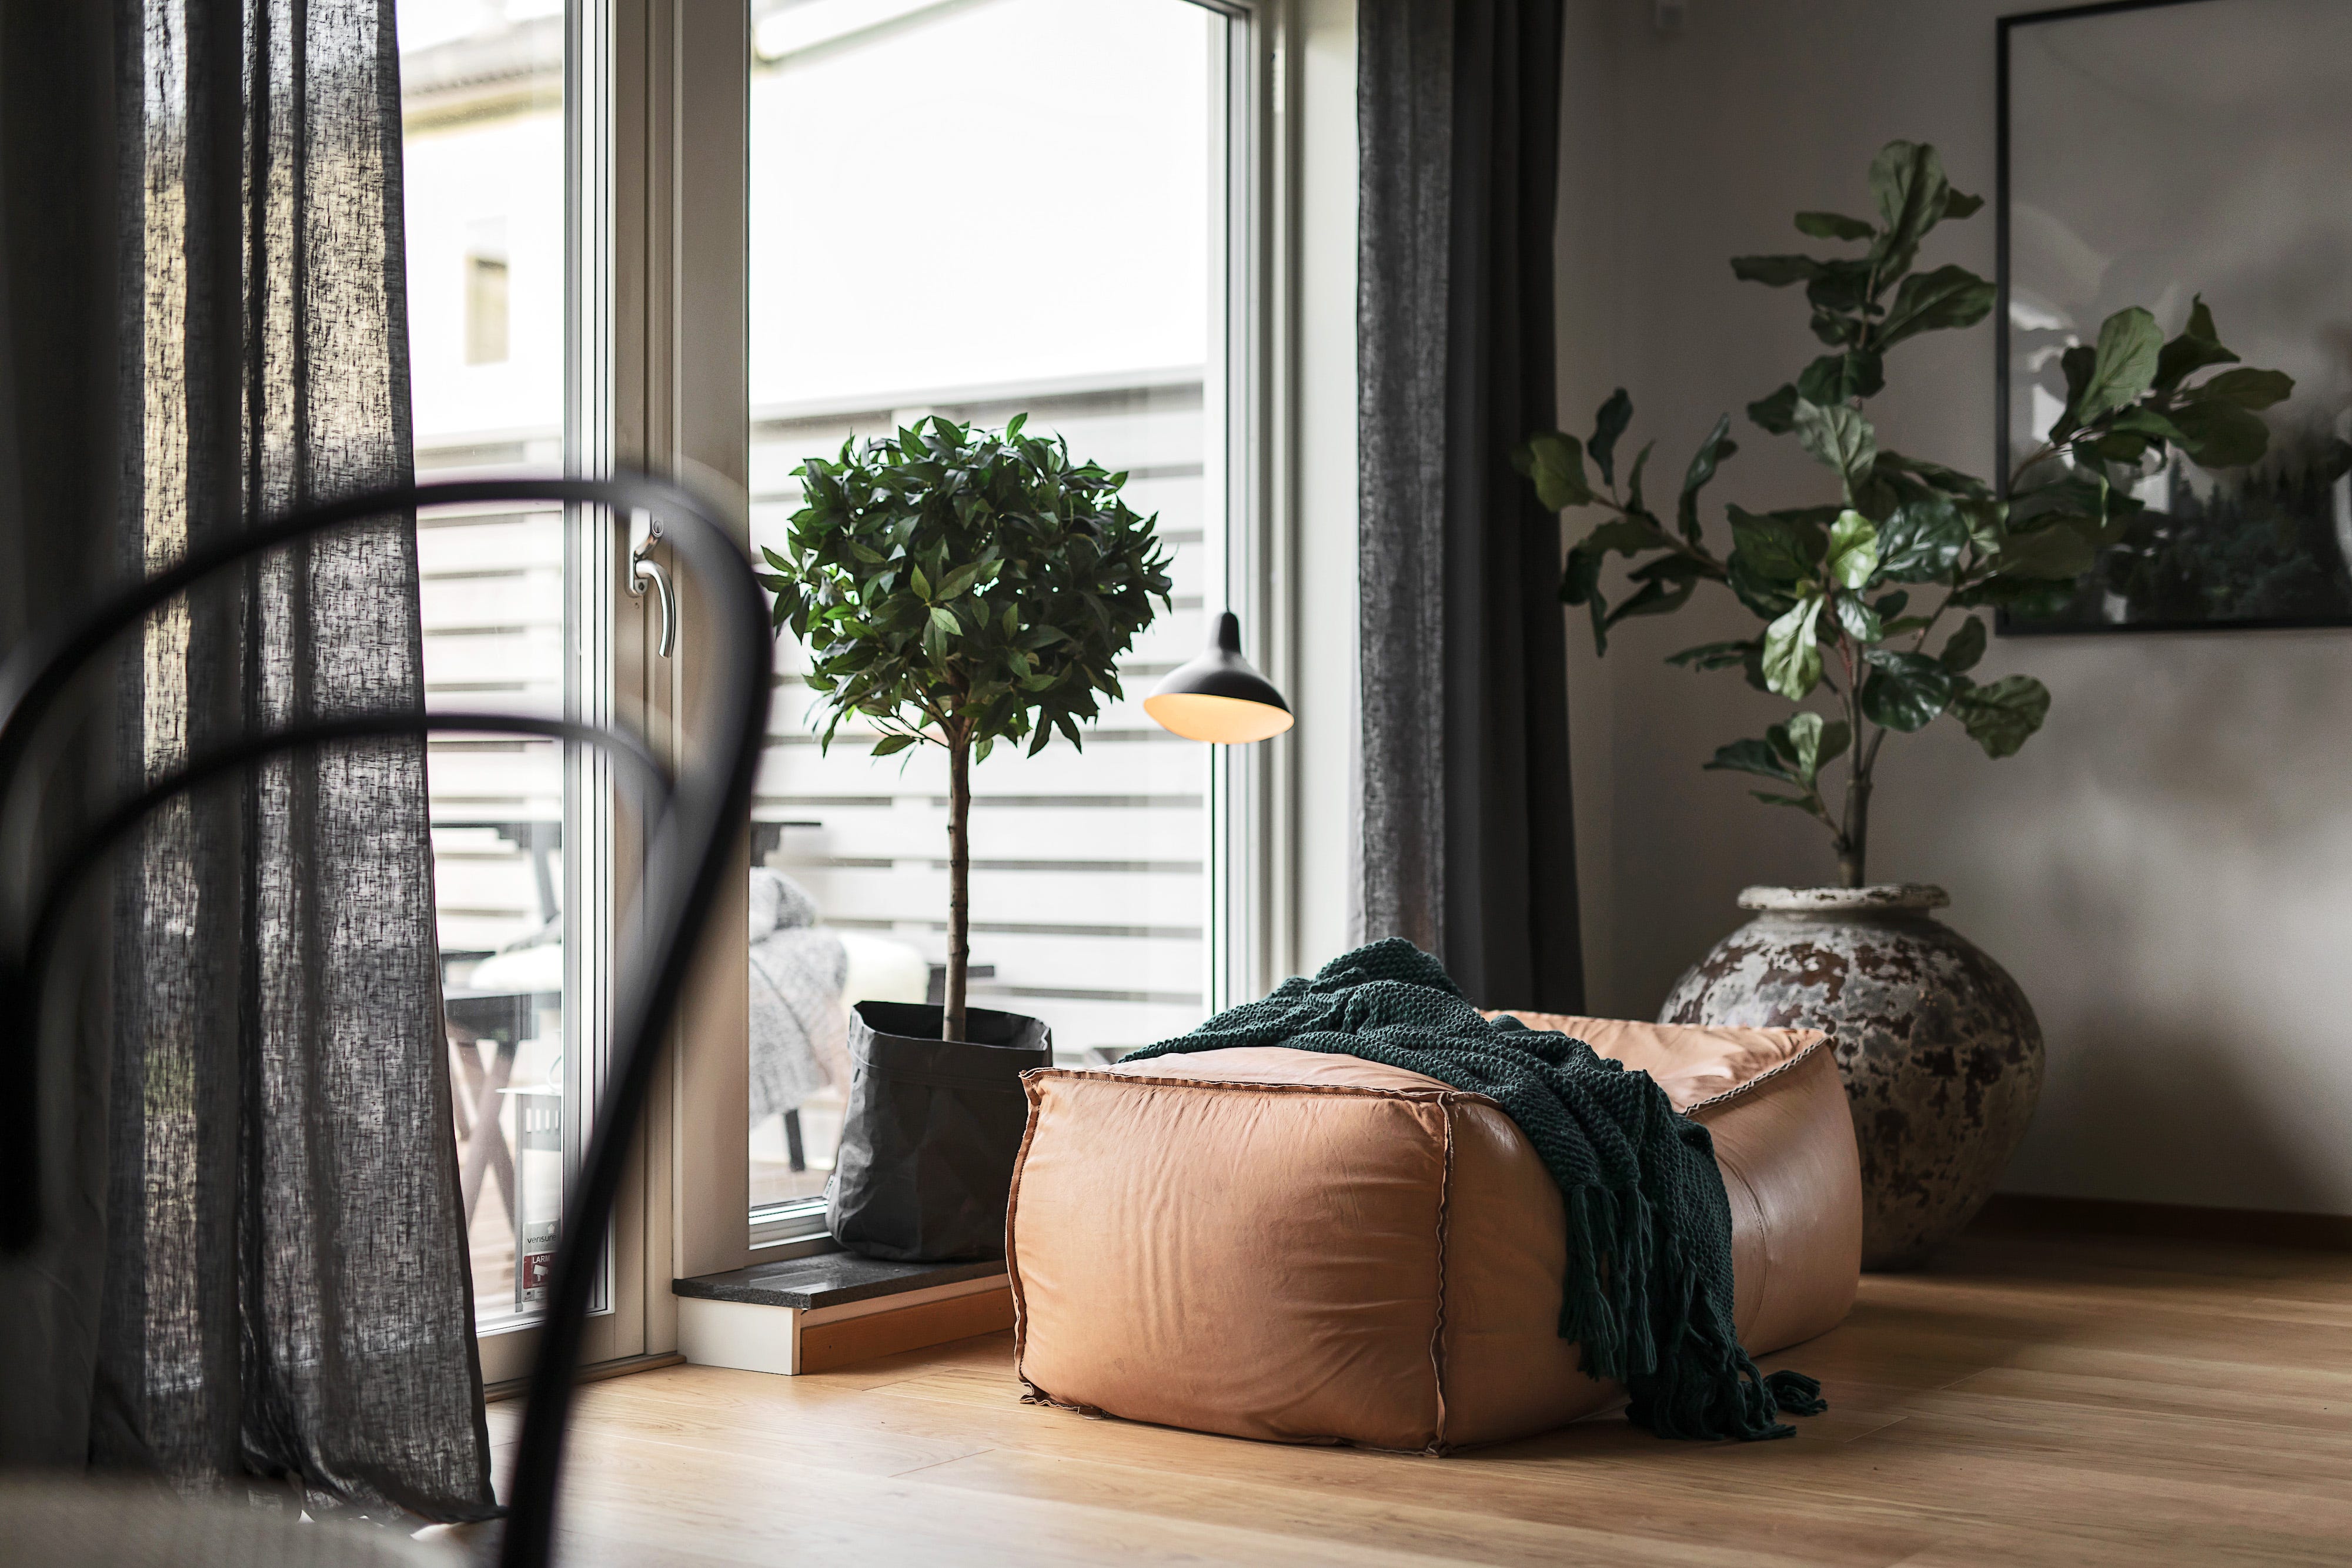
833,1279
797,1315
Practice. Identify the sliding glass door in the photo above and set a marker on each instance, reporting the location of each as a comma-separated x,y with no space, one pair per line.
503,335
978,209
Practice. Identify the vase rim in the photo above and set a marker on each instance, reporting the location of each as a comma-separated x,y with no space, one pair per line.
1879,896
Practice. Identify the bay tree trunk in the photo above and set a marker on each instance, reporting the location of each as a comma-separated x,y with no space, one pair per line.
951,1021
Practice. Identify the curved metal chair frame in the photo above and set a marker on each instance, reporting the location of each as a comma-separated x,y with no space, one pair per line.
697,814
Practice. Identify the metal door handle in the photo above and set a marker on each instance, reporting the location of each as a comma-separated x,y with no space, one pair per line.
644,568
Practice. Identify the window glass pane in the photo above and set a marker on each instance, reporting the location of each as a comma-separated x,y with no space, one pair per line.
482,84
980,210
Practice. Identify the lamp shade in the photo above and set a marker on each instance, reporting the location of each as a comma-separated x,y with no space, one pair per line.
1218,697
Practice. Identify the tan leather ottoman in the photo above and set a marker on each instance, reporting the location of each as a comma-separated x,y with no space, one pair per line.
1306,1247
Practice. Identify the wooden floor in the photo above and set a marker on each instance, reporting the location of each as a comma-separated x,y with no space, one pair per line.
2028,1400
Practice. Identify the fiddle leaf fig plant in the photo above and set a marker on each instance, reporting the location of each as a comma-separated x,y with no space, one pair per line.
1854,587
959,587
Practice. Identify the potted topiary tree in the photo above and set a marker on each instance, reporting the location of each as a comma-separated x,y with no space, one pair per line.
958,588
1942,1055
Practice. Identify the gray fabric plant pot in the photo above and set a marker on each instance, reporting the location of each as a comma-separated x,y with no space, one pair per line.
932,1131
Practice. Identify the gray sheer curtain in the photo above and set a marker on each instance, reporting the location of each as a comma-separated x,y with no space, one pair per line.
1466,837
285,1289
61,413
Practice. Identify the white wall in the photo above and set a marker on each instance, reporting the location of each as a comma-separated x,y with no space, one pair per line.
2168,867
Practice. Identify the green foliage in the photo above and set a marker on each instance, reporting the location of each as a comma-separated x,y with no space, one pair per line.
962,587
1834,582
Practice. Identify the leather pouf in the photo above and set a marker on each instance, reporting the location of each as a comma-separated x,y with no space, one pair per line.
1306,1247
1941,1054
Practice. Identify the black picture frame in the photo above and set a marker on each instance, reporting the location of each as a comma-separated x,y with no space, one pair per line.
2005,623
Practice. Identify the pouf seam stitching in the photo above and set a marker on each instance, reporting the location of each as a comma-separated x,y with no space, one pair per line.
1770,1074
1011,1252
1437,1094
1436,1444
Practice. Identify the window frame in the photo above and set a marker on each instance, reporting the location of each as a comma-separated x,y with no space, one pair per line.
597,674
653,381
683,407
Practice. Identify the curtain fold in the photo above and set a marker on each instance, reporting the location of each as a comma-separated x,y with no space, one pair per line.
60,406
1465,833
287,1291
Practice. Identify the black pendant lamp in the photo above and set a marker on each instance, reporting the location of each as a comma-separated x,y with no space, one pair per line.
1218,697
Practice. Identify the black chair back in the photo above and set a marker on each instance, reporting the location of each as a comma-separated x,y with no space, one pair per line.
694,814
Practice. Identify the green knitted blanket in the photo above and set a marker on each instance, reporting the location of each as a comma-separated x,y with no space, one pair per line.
1648,1293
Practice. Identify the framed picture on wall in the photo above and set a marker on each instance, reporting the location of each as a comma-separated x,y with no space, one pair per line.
2154,152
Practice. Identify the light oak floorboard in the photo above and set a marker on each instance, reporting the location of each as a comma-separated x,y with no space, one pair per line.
2028,1399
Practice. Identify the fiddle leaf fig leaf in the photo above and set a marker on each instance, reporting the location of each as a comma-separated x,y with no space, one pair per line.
1775,413
1839,328
1805,744
1840,437
1714,655
1802,802
1835,738
1755,756
1556,464
1667,582
1853,551
2003,716
2218,434
1581,584
1623,536
1775,271
1908,178
1793,655
1835,378
1861,621
1761,594
1947,297
1923,540
2142,420
1717,446
1608,423
1904,691
1774,549
1840,287
2075,364
1895,467
2248,387
1966,646
2122,366
1833,225
1633,478
2196,347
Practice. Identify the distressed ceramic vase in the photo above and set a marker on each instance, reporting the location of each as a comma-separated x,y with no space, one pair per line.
1941,1054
